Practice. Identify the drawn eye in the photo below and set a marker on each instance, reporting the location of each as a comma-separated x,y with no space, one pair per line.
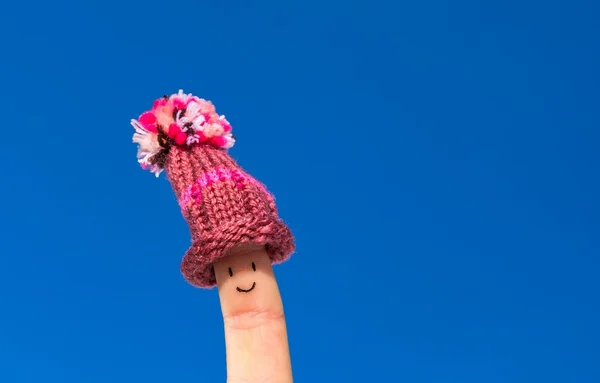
230,272
253,266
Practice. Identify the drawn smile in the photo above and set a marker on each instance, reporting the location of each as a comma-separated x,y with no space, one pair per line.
247,291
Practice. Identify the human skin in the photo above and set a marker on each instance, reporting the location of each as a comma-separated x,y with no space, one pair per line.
253,317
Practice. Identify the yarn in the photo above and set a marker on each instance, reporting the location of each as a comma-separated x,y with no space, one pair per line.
222,204
178,120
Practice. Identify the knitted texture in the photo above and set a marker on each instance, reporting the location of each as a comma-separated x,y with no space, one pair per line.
222,204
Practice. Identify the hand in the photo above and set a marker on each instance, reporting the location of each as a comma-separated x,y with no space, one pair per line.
255,331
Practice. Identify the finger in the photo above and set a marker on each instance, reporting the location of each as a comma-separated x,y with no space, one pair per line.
255,331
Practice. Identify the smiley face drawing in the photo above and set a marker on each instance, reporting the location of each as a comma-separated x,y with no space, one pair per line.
239,288
245,279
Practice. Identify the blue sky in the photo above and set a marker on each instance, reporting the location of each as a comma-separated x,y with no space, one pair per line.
436,160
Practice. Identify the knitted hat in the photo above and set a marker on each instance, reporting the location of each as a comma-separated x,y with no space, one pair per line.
223,205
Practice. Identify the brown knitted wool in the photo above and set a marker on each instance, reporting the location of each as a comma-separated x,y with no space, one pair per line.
224,207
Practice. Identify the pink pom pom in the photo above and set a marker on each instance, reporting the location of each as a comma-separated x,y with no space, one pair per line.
174,131
148,121
178,104
207,118
181,138
201,125
158,103
218,141
226,126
